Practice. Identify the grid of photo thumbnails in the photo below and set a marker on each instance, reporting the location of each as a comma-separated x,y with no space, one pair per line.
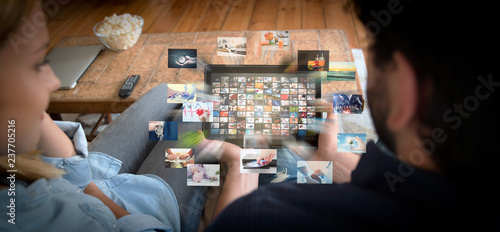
267,105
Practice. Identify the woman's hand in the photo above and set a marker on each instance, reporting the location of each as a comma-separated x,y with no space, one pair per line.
117,210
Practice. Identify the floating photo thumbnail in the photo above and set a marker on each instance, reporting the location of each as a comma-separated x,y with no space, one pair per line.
197,111
314,172
179,93
313,60
347,142
178,157
231,46
203,174
347,104
182,58
163,130
275,40
258,160
341,71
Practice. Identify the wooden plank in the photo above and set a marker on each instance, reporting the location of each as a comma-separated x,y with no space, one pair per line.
289,15
86,22
105,9
65,24
133,7
57,22
264,16
336,17
313,16
192,16
239,15
151,11
215,15
169,17
61,13
144,9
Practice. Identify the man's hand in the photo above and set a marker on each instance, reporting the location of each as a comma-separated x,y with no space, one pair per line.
227,153
236,184
327,141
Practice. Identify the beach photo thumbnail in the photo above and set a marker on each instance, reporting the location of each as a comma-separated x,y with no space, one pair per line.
341,71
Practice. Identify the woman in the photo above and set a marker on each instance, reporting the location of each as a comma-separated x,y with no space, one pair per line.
43,200
52,183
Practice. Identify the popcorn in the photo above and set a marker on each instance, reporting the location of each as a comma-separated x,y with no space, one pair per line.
119,32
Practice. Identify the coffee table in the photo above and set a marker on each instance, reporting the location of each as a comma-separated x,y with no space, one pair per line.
97,89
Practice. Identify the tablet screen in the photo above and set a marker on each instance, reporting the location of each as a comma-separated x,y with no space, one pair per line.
273,104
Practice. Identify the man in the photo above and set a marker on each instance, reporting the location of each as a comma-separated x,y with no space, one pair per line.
431,90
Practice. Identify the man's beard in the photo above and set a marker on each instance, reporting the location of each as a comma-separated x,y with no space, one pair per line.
378,101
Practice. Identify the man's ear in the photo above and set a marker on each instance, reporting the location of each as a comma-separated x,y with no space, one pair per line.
403,89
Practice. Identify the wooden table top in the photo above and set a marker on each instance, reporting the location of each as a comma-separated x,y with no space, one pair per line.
97,89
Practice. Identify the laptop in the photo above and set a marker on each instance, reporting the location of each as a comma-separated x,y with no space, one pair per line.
69,63
254,100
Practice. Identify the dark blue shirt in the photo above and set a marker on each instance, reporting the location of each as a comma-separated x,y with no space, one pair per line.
384,194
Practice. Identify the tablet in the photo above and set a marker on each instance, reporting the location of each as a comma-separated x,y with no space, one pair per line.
252,100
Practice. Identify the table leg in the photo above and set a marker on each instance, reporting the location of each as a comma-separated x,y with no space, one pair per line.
108,119
92,134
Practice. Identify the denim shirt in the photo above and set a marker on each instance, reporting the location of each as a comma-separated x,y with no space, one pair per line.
59,204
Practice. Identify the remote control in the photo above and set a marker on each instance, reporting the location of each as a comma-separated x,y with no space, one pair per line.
128,86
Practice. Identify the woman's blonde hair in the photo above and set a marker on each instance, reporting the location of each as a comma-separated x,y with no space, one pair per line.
29,167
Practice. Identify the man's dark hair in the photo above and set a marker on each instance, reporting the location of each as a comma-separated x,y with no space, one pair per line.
451,49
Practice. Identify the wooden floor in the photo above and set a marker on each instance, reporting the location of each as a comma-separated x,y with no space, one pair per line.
77,17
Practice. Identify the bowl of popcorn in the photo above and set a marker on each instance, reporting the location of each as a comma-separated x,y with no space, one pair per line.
119,32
